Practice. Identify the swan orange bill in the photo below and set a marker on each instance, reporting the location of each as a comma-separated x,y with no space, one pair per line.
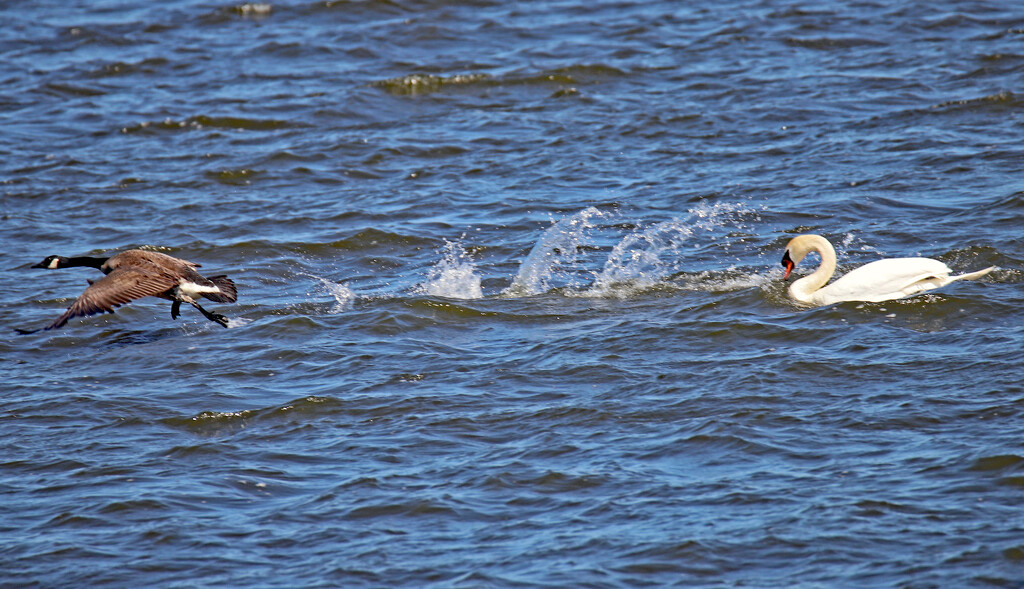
788,264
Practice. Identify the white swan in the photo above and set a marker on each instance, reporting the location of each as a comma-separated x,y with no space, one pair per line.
884,280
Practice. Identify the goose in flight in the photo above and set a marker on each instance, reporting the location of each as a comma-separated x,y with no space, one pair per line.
134,274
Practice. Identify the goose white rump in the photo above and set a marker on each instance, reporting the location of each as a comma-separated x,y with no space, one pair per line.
884,280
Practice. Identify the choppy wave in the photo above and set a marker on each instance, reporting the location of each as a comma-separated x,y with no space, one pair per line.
122,68
416,84
999,100
202,121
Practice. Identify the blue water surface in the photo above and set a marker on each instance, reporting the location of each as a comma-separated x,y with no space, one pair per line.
510,306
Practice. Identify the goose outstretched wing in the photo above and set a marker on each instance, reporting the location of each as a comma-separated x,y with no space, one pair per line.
122,285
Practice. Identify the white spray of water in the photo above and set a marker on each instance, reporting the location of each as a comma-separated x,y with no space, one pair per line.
343,295
454,276
556,247
234,322
645,257
642,258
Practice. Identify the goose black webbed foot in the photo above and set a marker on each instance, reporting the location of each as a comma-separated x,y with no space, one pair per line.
218,318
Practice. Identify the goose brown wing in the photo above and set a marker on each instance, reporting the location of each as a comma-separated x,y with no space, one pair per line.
121,286
154,261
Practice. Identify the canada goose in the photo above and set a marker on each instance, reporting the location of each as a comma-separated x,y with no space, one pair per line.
134,274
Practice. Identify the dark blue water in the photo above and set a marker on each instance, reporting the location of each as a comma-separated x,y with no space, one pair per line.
510,305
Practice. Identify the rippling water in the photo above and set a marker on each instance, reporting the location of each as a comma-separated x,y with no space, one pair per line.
511,311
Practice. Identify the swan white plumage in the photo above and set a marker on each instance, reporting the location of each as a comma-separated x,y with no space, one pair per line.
884,280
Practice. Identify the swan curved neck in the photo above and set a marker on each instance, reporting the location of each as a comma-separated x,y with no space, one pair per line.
804,288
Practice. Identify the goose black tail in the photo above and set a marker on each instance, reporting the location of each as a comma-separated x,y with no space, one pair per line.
227,294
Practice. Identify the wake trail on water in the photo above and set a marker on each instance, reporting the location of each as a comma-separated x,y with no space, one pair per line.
563,259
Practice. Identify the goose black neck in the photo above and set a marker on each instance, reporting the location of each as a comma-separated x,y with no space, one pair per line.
84,261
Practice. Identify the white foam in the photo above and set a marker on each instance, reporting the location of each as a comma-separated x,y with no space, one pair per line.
254,9
728,281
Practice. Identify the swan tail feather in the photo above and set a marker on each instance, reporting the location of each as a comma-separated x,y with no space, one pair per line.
973,275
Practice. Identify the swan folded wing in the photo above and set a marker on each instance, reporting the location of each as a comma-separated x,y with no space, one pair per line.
888,279
121,286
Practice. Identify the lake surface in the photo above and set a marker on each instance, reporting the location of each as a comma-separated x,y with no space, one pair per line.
510,308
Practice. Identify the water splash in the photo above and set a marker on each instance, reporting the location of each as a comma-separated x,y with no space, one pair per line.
234,322
643,258
647,256
454,276
343,295
557,247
